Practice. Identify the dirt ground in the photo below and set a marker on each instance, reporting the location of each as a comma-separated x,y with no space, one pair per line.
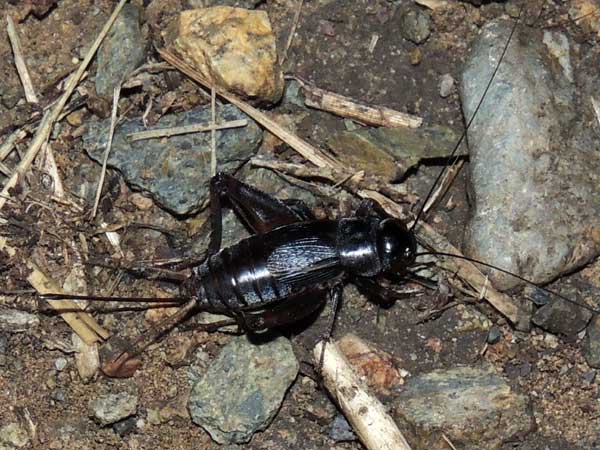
331,50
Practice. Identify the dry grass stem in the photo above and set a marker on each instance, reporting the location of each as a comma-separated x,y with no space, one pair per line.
308,151
5,170
10,142
51,116
368,417
445,183
174,131
111,133
373,42
81,322
15,43
342,106
293,29
596,106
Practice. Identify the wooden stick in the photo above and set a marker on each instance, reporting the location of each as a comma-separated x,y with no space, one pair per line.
186,129
81,322
374,427
111,133
378,116
15,42
309,152
52,115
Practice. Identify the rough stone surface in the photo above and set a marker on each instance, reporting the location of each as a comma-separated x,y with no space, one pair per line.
242,390
13,436
175,171
561,317
473,406
446,85
111,408
122,51
592,347
390,152
415,25
233,47
15,321
534,180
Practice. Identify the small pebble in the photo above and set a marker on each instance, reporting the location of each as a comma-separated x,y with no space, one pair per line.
590,377
140,201
110,408
341,430
494,335
60,363
416,56
415,26
125,426
446,85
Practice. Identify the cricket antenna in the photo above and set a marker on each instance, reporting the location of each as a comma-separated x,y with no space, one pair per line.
464,133
518,277
97,298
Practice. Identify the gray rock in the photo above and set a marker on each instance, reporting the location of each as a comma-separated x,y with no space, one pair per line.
561,317
175,171
243,389
534,181
592,344
473,406
341,430
122,51
446,85
110,408
14,436
494,335
15,321
415,25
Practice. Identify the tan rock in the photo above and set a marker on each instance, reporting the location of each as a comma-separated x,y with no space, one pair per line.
233,47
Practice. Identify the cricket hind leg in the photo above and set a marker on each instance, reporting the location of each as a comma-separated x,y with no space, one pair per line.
259,211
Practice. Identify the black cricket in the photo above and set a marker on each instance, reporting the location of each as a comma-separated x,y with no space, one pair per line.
281,273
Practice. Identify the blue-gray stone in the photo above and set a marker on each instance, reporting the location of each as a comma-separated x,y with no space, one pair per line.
175,171
123,50
473,406
535,168
242,390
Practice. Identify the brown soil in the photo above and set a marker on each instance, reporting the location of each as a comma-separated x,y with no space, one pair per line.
330,50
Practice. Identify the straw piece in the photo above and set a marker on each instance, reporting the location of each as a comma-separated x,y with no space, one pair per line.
81,322
15,42
373,425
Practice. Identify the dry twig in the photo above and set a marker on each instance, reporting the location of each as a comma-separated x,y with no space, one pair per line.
340,105
374,427
174,131
111,133
15,42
